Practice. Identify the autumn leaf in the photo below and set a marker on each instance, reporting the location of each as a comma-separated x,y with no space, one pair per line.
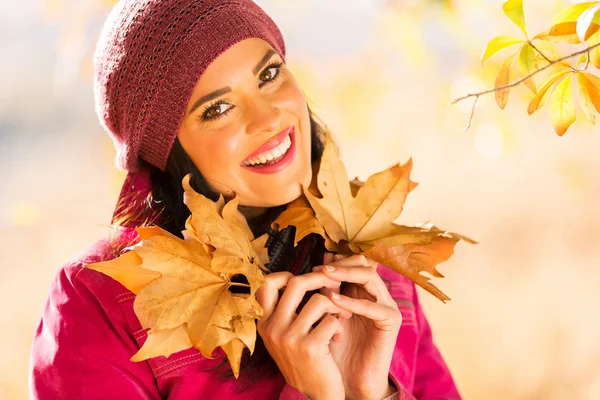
572,13
589,94
568,25
163,343
229,232
562,106
584,22
543,93
526,65
502,80
182,285
358,218
127,270
513,9
497,44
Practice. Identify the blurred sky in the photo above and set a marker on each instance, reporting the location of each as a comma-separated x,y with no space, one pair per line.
522,323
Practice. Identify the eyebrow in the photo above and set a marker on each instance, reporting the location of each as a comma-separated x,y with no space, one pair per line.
226,89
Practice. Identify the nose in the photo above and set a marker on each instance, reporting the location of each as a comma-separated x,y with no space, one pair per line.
263,116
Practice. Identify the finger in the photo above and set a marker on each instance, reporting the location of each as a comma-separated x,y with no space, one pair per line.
268,294
338,257
316,307
293,294
328,257
366,277
356,260
330,328
385,318
343,314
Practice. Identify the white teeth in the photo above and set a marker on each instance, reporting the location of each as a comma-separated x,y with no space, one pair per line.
276,152
271,154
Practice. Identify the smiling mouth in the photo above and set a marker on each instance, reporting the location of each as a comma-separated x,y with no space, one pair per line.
271,152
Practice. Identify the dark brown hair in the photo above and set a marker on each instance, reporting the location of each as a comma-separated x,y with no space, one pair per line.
164,207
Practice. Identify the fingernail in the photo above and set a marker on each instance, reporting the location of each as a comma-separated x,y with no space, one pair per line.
329,268
335,296
337,257
316,269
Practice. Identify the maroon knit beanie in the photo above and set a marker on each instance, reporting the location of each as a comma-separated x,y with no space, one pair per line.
148,59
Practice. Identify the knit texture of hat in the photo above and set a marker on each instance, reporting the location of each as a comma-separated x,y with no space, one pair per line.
149,57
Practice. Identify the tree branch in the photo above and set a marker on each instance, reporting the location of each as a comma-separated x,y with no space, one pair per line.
510,85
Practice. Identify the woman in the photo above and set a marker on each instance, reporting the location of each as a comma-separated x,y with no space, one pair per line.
201,87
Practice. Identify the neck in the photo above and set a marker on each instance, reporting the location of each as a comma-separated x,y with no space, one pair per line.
252,212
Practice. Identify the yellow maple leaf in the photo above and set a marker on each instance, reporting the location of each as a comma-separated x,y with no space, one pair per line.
182,285
358,218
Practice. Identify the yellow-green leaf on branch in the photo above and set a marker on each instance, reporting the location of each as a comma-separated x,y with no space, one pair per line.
562,106
513,9
527,65
572,14
497,44
540,98
503,79
584,22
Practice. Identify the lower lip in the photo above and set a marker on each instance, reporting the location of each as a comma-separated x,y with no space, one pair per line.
279,165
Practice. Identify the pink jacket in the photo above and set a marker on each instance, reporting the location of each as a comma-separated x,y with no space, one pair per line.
89,331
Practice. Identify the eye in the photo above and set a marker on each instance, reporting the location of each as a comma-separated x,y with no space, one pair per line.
271,72
215,110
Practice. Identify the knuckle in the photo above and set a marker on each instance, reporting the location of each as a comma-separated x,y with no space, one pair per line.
318,300
331,320
294,282
270,332
288,341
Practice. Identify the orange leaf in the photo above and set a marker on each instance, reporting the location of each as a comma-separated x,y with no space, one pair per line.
163,343
592,85
127,270
542,95
182,285
358,217
503,79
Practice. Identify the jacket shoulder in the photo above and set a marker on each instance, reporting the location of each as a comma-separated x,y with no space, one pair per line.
75,275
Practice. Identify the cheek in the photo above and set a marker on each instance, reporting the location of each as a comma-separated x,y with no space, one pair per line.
213,153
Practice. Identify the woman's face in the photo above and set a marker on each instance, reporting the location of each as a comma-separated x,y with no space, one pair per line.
247,127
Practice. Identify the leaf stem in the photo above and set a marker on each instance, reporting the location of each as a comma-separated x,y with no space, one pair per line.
539,52
510,85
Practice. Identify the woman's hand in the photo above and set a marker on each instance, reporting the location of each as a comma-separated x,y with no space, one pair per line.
365,355
301,352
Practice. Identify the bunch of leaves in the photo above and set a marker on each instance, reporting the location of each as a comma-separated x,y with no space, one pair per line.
182,285
357,218
576,25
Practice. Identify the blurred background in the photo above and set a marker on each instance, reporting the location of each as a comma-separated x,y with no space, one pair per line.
523,321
